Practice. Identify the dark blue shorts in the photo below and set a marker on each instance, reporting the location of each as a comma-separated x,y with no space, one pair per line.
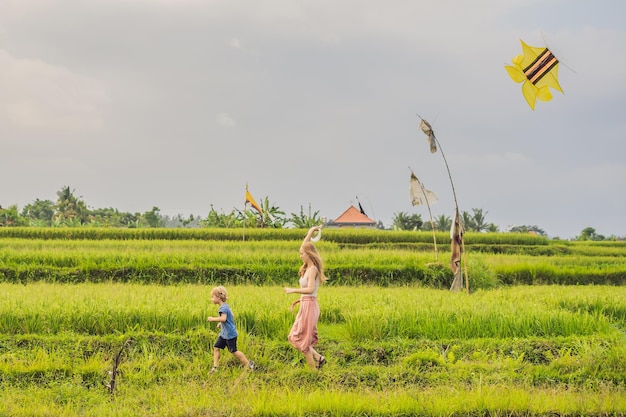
221,343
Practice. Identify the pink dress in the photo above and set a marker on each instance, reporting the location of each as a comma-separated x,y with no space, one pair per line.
303,333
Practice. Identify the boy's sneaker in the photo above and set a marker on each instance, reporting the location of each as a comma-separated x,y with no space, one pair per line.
214,370
251,365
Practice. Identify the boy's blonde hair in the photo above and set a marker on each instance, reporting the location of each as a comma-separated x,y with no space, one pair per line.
220,292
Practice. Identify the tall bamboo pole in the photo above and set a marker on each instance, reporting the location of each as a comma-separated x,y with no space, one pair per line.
432,137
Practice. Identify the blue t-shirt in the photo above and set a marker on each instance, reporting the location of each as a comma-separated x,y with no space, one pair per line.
228,330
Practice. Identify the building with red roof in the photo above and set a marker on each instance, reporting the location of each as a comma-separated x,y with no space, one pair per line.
352,217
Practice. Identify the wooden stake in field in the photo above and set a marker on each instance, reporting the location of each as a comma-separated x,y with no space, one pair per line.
456,231
116,364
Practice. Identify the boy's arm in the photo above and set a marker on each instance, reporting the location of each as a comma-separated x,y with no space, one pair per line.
220,319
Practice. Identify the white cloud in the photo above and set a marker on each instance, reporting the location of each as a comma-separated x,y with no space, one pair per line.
15,9
224,119
37,95
235,43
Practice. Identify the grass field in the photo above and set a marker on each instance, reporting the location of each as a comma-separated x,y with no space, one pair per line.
403,350
379,257
398,343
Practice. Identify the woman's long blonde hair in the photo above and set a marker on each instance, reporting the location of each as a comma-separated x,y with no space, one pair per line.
310,250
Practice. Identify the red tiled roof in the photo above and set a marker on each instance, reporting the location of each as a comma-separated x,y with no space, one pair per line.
353,215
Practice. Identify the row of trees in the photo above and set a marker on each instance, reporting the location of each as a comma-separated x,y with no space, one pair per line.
71,211
474,222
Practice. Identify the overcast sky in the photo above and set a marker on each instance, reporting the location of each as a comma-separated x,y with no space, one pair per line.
179,103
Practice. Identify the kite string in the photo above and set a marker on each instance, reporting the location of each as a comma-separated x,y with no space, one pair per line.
545,40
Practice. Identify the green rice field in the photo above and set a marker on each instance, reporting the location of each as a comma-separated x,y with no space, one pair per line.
391,351
397,341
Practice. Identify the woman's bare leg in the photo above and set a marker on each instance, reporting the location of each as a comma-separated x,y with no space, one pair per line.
310,360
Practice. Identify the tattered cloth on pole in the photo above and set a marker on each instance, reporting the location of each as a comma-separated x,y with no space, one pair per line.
427,128
456,247
419,194
361,207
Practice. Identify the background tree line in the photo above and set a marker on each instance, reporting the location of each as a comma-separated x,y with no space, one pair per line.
71,211
474,222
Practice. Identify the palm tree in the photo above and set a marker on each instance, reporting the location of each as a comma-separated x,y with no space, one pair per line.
69,209
475,222
443,223
468,221
405,221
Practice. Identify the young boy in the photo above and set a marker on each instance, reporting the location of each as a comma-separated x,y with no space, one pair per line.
228,331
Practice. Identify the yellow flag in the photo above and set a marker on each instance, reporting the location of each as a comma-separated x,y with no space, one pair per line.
253,203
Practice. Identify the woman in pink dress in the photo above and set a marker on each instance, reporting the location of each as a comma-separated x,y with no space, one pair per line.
303,334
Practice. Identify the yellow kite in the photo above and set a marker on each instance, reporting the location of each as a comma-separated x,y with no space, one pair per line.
537,68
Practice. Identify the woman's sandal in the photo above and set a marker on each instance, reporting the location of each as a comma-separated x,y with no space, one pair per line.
321,362
214,370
